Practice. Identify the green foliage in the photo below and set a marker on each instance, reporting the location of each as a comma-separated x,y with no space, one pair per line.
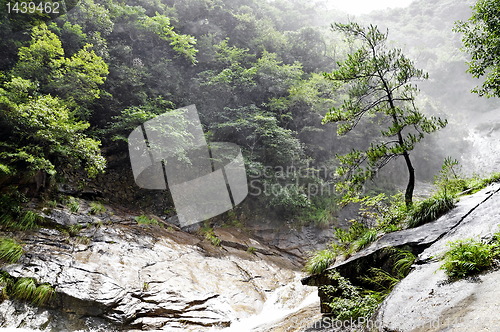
384,280
321,211
10,250
73,230
320,261
430,209
251,250
145,220
365,239
73,205
43,293
348,302
41,131
182,44
13,216
97,208
208,233
134,116
467,257
481,39
26,289
378,83
449,180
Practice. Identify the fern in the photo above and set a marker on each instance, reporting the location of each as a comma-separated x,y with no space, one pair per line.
467,257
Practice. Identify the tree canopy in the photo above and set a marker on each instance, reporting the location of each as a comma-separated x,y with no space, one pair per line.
481,39
378,84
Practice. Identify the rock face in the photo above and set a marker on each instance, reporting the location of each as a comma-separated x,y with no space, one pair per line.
115,274
426,301
425,297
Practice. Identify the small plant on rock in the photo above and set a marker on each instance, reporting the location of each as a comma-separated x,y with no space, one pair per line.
10,250
96,208
144,220
467,257
73,205
320,261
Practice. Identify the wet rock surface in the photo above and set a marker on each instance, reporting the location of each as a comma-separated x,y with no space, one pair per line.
415,239
427,301
113,274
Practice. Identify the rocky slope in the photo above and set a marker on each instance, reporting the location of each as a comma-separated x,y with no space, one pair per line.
426,300
112,274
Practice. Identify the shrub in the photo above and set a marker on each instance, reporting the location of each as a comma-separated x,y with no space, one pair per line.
10,250
467,257
348,302
320,261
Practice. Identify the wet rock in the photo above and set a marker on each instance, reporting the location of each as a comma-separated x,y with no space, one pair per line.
414,239
427,301
145,277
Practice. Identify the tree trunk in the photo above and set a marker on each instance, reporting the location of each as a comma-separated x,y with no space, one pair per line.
411,180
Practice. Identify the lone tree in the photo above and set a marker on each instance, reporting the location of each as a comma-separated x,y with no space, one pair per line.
378,84
481,38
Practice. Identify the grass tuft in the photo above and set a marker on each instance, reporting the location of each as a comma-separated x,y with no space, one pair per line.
430,209
97,208
10,250
144,220
320,261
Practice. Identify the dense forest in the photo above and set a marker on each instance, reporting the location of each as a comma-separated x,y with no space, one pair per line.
349,128
73,87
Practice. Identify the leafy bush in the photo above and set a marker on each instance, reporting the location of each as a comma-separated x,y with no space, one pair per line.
10,250
430,209
467,257
348,302
320,261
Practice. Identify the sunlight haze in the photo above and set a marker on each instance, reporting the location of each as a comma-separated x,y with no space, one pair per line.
357,7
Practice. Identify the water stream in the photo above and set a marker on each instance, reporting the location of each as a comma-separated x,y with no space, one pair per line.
280,304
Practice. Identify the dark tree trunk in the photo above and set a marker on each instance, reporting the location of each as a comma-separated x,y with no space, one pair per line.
411,180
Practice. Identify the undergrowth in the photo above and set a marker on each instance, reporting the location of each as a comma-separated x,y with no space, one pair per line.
348,302
25,289
382,214
145,220
13,216
470,256
10,250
